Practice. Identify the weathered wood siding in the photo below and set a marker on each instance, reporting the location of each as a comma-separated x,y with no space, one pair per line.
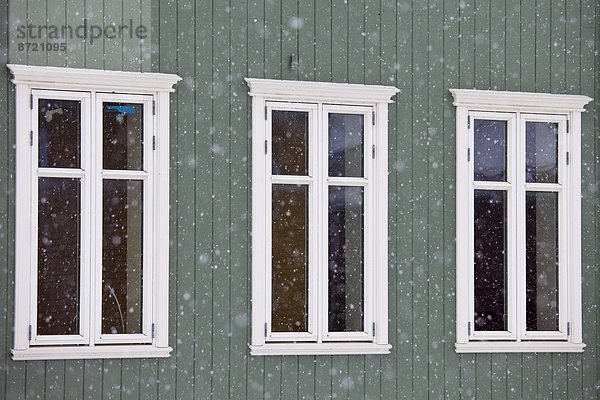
422,47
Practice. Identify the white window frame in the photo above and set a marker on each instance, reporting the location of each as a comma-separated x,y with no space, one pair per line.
517,108
93,87
320,98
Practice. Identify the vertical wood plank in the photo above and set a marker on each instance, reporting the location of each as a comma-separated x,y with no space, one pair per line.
514,378
420,179
290,23
92,379
482,44
240,224
185,209
372,44
323,368
560,382
36,16
468,382
113,42
467,45
339,377
221,201
203,198
544,375
435,235
272,384
513,44
356,378
542,44
132,18
148,379
167,368
306,377
88,53
323,36
56,17
111,379
451,70
389,76
74,379
55,379
339,40
306,39
357,32
557,47
403,170
289,377
528,48
530,378
498,59
372,377
36,376
499,380
272,38
130,387
483,376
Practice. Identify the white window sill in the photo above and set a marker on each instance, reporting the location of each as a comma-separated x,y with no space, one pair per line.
300,349
519,347
95,352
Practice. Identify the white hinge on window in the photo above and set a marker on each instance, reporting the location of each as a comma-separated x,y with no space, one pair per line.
469,122
265,329
265,113
266,146
567,126
31,138
153,142
153,107
31,101
568,328
373,329
373,150
469,154
469,328
373,118
153,330
568,159
30,332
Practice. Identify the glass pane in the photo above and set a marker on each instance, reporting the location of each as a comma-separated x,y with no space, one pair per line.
59,126
346,144
346,259
59,255
542,261
289,258
490,150
542,152
122,241
290,142
123,126
491,267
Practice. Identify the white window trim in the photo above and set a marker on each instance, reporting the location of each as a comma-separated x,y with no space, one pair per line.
524,106
28,79
323,96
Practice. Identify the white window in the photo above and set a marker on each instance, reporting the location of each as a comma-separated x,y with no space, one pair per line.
518,216
319,218
92,219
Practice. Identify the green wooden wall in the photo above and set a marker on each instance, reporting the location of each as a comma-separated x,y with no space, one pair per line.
422,47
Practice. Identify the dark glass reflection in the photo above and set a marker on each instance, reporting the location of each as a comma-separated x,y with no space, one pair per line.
290,142
542,152
346,143
346,259
490,150
122,241
59,126
59,255
122,130
491,265
542,261
289,257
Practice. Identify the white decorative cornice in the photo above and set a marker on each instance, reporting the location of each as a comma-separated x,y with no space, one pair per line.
522,101
320,91
92,79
